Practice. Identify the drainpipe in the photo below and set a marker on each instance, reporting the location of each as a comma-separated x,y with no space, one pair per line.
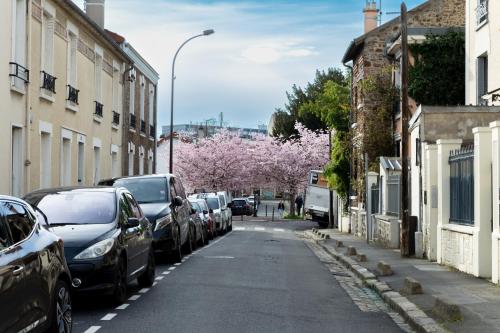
27,137
351,83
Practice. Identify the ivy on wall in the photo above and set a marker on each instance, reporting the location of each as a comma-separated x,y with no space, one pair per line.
438,74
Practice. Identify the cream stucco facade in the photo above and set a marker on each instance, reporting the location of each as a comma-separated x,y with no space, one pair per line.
68,118
13,94
482,52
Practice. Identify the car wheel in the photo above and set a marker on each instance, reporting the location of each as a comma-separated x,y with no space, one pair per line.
193,239
177,254
62,319
207,236
188,246
120,292
147,278
201,242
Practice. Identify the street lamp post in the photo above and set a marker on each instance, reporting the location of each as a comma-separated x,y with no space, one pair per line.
171,156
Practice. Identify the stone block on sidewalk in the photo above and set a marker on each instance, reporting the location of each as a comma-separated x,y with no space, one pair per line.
361,257
384,269
447,310
338,244
411,287
325,236
351,251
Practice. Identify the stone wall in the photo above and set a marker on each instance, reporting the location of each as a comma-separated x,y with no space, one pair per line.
457,250
387,231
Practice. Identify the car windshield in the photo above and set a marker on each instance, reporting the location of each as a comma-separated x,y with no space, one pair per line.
213,203
196,206
79,207
146,190
239,202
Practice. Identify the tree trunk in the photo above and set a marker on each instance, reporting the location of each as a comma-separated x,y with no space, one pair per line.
293,195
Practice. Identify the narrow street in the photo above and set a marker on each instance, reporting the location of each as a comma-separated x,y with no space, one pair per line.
261,277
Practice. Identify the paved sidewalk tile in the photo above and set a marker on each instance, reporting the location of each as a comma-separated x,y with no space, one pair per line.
478,299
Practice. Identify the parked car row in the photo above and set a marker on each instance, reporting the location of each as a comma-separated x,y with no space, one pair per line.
57,243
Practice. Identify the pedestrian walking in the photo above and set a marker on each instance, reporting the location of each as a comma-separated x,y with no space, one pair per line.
298,203
281,208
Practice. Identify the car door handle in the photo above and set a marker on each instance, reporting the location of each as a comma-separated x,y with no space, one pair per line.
18,270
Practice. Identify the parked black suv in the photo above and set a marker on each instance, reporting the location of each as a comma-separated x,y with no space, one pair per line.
163,200
107,238
34,278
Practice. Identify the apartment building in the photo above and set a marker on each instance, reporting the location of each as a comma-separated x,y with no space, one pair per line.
64,96
482,86
140,107
13,94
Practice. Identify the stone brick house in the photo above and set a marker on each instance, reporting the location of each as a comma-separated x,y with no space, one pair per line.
139,123
367,59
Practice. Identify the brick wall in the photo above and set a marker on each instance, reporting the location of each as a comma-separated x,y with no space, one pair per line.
371,60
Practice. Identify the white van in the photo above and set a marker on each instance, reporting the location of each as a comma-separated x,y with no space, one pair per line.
226,202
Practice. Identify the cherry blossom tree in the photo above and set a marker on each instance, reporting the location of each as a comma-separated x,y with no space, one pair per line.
226,161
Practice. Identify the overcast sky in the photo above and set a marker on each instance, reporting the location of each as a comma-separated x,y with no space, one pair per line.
260,49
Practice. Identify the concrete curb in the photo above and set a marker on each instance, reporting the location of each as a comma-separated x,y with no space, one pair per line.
417,319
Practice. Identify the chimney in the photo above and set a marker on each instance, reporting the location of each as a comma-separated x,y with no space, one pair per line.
371,15
95,10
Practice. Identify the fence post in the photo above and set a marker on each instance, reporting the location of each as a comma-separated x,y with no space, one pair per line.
272,219
445,146
266,210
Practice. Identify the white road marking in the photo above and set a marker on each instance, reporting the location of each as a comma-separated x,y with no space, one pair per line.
144,290
154,283
278,229
259,229
239,228
219,257
171,268
122,307
177,264
109,316
134,298
92,329
166,273
159,278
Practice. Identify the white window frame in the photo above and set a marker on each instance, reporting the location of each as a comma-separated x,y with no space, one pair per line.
80,164
131,155
65,135
48,31
151,104
18,51
142,92
45,128
132,80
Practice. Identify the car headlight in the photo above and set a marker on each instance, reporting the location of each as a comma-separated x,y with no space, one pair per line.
163,221
97,250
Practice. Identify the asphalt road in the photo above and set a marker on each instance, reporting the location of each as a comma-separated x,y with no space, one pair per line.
261,277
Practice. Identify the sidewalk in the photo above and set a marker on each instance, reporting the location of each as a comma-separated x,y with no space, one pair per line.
478,299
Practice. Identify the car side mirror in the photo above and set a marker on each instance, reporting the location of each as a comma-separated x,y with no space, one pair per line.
205,212
230,205
177,201
132,222
211,211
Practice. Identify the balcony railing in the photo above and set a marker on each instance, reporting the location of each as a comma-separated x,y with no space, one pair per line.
48,82
116,118
19,71
73,94
98,109
133,123
152,131
482,12
143,126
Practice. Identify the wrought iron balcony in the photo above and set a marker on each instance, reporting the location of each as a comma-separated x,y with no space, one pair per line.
116,118
48,82
152,131
19,71
143,126
482,12
73,94
98,109
133,123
